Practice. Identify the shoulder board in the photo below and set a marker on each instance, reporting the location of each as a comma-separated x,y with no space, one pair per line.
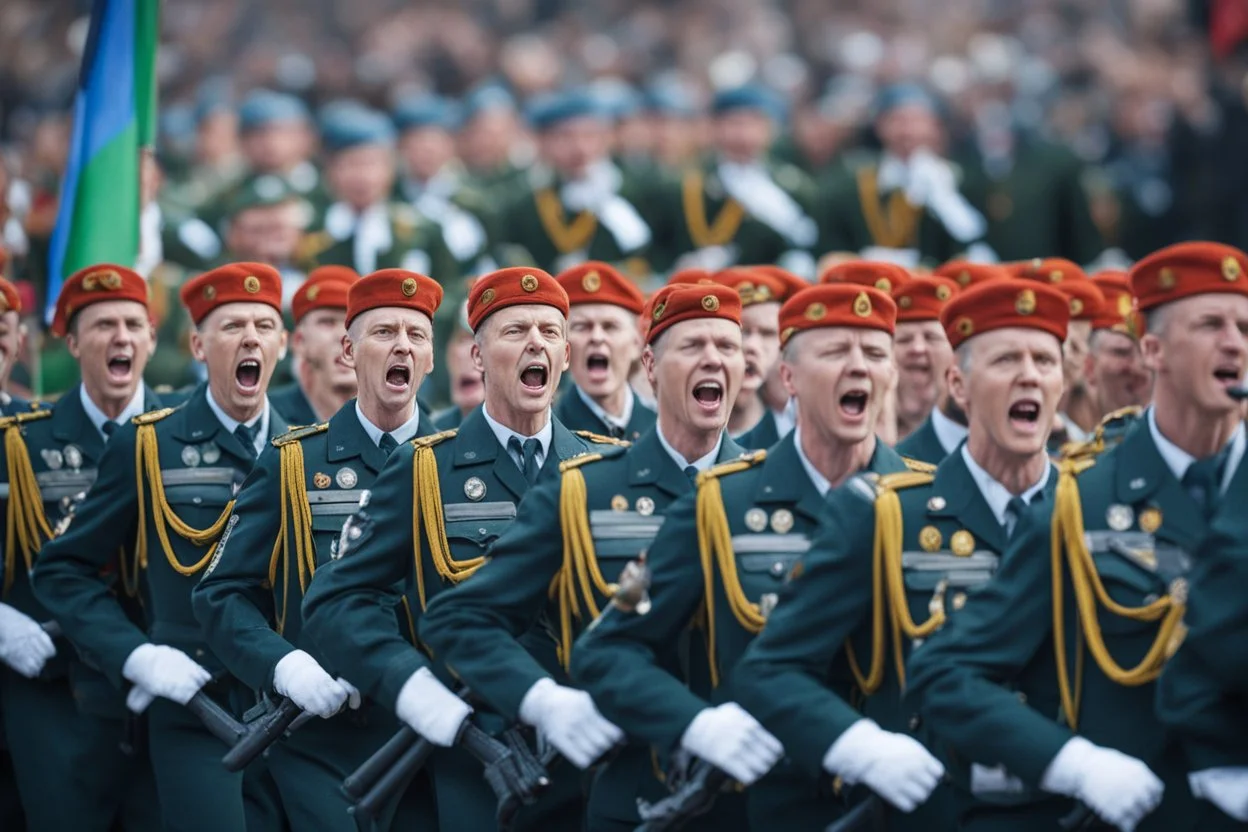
152,416
1121,415
295,434
434,439
38,405
918,465
744,462
577,461
904,479
1081,450
599,439
23,418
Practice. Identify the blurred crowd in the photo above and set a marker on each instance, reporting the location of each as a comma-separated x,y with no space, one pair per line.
1096,130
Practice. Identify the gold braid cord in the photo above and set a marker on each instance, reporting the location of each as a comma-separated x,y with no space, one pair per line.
715,549
296,529
898,229
1068,539
567,238
147,462
726,224
427,506
26,525
579,570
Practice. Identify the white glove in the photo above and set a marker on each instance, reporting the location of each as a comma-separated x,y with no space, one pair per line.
1226,788
299,677
162,671
353,694
434,712
24,646
569,721
730,739
1120,789
896,767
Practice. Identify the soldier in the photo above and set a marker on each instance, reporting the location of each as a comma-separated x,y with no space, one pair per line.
324,381
923,358
188,463
362,228
63,721
459,489
750,521
253,625
1115,374
761,296
606,342
467,386
781,413
12,343
1006,686
736,206
927,537
488,139
577,205
597,516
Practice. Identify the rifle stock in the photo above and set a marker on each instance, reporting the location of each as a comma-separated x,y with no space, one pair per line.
260,735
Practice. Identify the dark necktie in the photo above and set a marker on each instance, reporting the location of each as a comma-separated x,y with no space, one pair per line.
387,443
691,473
109,427
528,456
1014,511
615,431
246,437
1203,480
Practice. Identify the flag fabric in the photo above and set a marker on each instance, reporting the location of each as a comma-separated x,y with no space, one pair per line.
114,116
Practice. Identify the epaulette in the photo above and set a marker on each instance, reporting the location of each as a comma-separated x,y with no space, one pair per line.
599,439
919,465
434,438
152,416
38,405
297,433
744,462
577,461
23,418
899,480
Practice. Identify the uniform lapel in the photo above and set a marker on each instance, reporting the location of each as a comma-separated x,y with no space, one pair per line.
956,496
478,445
650,465
1144,478
784,480
72,426
346,439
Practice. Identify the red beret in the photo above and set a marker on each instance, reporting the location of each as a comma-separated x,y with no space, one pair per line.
792,283
1086,300
837,304
325,288
690,276
1187,269
394,287
679,302
513,287
1118,312
883,276
999,304
10,300
232,283
95,284
597,282
967,274
923,298
754,286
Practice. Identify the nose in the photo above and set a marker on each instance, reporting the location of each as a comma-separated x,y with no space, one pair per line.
856,361
1029,372
402,344
1233,340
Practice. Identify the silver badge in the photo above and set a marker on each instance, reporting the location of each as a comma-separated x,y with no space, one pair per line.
756,519
1119,517
73,456
52,458
190,456
474,489
782,521
346,478
645,506
210,453
936,504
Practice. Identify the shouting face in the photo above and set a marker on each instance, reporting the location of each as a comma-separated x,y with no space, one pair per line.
522,352
241,344
112,342
695,368
605,343
840,377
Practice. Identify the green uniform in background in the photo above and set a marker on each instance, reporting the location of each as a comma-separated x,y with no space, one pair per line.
575,414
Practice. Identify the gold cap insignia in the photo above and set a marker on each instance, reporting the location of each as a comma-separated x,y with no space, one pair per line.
487,297
1026,302
816,312
210,292
408,287
1076,306
1055,276
964,327
943,293
762,294
251,284
1166,278
659,309
1124,305
964,278
710,303
904,302
884,284
107,279
930,539
528,283
1230,269
591,282
788,333
962,543
313,292
862,305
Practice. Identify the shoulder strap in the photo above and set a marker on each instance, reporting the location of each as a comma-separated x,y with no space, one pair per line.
599,439
296,434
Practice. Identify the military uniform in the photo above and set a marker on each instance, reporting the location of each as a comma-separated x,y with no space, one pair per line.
925,443
290,401
251,624
632,665
448,418
66,728
575,414
406,240
763,435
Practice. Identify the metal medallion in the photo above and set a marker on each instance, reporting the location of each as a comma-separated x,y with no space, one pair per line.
936,504
959,600
645,506
756,519
962,543
210,453
73,456
782,521
930,539
1150,520
52,458
619,503
190,456
321,480
1119,517
474,489
346,478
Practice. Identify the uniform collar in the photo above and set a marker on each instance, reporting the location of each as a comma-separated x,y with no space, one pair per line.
504,433
230,424
1179,460
401,434
606,418
948,432
97,416
785,418
996,495
701,464
822,483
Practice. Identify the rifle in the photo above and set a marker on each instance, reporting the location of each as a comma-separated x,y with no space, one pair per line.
262,733
1081,819
868,815
693,797
215,718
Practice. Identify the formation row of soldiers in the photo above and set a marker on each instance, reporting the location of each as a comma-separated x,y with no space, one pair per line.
987,640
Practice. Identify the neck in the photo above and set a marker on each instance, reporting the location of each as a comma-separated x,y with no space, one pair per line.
951,411
522,422
1082,409
775,399
614,401
388,419
746,413
326,400
1014,471
110,405
838,461
689,442
1200,434
907,425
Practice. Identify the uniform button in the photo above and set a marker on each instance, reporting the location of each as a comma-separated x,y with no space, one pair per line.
197,500
199,652
915,722
777,568
481,531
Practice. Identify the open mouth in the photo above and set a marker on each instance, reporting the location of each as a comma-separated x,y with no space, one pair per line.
1025,414
854,403
247,374
119,366
709,395
598,366
468,381
752,369
398,377
534,377
1228,376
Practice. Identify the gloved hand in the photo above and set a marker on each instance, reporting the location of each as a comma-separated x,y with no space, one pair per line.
731,740
24,646
353,694
930,176
896,767
299,677
1120,789
569,721
1226,788
159,670
434,712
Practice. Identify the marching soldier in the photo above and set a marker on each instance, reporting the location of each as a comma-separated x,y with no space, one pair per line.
64,722
761,296
750,521
923,357
927,542
781,413
1007,685
1115,375
605,343
433,510
189,464
467,386
316,475
323,380
589,523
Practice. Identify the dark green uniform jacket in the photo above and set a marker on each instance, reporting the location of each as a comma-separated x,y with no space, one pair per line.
987,685
923,445
576,415
631,663
795,677
474,629
763,435
415,243
290,401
